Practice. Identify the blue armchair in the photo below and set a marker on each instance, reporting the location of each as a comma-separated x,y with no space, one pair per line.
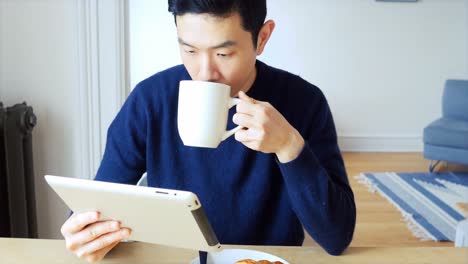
447,137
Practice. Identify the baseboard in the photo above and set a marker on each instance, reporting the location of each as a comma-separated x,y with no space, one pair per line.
381,143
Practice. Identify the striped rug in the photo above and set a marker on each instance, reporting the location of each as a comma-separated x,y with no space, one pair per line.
431,203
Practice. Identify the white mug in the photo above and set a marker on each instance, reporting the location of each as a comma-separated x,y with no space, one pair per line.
203,112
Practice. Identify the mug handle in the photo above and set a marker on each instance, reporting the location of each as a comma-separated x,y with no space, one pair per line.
232,102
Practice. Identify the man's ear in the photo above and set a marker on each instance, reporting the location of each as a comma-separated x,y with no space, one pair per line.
264,35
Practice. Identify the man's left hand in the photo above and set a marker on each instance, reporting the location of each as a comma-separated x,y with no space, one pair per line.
266,130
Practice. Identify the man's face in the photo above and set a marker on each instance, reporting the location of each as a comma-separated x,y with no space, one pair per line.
217,50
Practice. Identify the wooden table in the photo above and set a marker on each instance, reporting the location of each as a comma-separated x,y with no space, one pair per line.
30,251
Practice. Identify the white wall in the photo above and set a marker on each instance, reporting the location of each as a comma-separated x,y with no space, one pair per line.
152,39
381,65
38,64
68,60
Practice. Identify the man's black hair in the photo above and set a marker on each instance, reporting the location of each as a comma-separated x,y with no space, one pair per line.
252,12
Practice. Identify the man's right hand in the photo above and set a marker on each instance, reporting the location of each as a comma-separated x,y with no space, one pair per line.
91,239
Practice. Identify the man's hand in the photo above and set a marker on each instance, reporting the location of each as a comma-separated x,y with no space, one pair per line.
91,239
266,130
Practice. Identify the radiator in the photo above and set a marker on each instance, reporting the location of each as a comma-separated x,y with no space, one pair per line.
17,195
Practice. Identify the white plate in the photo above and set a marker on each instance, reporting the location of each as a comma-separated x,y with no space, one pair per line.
230,256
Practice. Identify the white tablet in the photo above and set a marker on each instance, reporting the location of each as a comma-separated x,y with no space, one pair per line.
155,215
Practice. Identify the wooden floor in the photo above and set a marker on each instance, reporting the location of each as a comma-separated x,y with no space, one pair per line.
380,224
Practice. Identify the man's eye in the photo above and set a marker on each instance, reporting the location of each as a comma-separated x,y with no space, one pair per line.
223,55
190,51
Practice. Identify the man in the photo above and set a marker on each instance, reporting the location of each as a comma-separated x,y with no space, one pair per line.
282,172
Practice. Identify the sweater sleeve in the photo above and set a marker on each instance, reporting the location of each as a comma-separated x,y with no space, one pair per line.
124,156
318,186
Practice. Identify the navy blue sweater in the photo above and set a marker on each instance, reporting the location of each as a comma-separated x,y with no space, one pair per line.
250,197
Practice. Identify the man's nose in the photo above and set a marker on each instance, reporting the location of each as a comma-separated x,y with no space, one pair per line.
208,70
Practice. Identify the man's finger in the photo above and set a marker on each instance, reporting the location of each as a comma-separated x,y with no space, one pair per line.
79,221
243,120
247,135
91,232
244,97
103,242
100,254
248,104
245,108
